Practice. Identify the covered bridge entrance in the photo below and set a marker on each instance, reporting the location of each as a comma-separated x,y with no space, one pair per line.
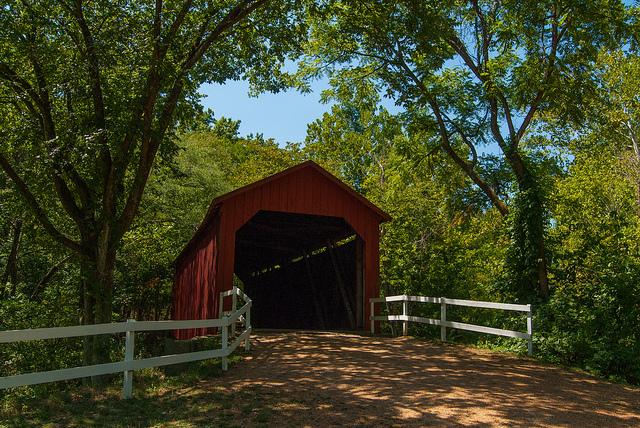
304,244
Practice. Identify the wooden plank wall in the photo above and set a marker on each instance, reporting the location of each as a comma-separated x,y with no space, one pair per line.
194,285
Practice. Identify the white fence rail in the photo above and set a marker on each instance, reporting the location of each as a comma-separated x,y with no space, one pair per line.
130,327
443,323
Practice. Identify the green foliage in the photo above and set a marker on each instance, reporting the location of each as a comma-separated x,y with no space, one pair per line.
57,306
251,159
595,325
352,140
432,248
593,318
615,112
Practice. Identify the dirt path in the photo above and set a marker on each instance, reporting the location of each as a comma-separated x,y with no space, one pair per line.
325,379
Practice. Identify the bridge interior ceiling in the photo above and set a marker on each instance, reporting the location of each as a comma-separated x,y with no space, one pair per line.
273,238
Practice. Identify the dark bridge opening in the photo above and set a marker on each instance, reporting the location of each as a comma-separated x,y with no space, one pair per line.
301,271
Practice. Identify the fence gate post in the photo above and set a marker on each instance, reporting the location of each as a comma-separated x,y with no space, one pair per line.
127,384
372,311
530,331
405,312
225,342
443,319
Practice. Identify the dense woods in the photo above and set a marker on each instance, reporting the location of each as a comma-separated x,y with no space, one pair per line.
511,172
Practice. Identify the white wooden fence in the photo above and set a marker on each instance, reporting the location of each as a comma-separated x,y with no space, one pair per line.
443,323
130,327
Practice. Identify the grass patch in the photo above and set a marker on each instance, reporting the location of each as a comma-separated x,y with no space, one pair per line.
159,400
264,415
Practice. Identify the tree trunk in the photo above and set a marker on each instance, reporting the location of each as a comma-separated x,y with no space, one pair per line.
97,288
543,279
527,182
530,235
11,270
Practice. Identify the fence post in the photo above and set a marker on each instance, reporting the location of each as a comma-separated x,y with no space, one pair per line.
234,305
372,311
443,319
247,326
530,330
405,312
225,343
221,305
127,384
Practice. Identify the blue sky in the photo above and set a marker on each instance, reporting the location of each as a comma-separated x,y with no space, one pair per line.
283,116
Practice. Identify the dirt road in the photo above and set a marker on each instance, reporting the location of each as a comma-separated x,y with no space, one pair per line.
326,379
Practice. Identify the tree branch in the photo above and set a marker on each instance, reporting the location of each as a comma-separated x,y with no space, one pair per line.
52,270
48,127
486,38
556,36
98,108
446,144
94,68
173,29
9,75
237,14
456,44
37,209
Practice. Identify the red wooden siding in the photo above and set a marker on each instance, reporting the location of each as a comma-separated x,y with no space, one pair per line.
206,265
195,279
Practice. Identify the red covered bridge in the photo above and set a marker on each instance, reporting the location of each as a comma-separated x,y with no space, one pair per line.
304,245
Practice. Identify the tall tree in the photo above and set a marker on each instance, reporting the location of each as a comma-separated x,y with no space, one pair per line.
92,91
472,73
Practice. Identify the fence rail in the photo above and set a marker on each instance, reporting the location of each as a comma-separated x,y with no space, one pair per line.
129,328
444,323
